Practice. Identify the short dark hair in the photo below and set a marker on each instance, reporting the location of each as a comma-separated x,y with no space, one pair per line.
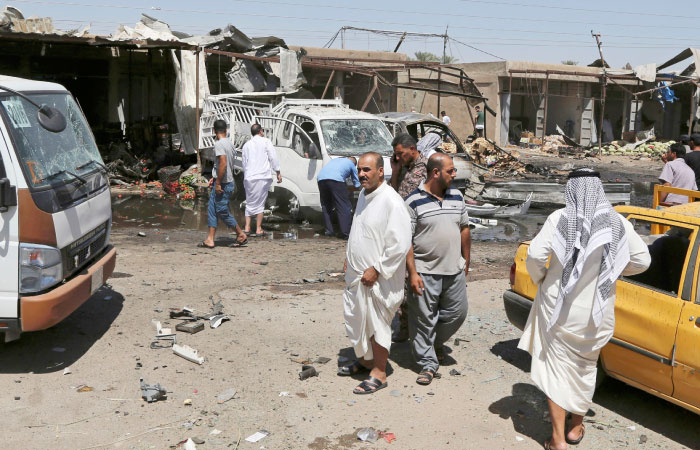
436,161
220,126
404,140
443,113
255,129
477,107
678,149
695,138
378,160
683,138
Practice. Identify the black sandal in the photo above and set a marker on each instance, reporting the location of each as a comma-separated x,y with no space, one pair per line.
369,386
428,375
576,441
203,245
352,369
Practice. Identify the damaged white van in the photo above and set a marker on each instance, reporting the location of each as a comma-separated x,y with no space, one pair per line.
55,208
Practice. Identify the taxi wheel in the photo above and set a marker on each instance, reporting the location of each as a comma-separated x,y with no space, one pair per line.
600,375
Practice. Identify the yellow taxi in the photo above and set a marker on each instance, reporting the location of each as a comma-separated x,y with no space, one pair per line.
656,344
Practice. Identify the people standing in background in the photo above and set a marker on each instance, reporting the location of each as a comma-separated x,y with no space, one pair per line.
480,120
676,173
445,118
692,158
608,135
259,161
222,185
334,193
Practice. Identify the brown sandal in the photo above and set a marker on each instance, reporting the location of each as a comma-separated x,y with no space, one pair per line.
580,438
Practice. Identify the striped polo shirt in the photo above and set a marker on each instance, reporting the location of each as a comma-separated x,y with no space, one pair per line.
436,226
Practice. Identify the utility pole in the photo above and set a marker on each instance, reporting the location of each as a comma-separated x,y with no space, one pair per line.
604,84
444,54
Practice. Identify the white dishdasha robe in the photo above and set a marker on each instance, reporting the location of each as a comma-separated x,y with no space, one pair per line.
380,237
564,358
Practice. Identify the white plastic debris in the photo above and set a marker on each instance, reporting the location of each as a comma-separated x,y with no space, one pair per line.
255,437
368,435
67,371
284,394
160,331
188,353
519,439
214,432
226,395
189,445
215,321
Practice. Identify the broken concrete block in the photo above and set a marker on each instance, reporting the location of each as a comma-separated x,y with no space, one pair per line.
190,327
188,353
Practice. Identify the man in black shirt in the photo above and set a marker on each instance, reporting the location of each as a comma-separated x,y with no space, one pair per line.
692,158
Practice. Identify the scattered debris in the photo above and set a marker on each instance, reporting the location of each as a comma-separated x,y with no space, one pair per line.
141,234
643,439
216,320
67,371
190,327
519,439
368,435
455,372
307,372
214,432
321,360
284,394
226,395
387,436
84,388
181,312
187,402
189,445
188,353
255,437
197,440
152,392
160,331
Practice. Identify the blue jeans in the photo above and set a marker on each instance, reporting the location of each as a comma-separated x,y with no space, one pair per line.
218,206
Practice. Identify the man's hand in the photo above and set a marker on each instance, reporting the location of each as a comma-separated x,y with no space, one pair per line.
416,283
395,164
369,277
664,158
279,177
211,181
219,190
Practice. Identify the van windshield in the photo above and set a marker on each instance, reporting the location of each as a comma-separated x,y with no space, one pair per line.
356,136
49,158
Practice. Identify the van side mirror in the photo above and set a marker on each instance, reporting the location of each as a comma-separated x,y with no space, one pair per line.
8,195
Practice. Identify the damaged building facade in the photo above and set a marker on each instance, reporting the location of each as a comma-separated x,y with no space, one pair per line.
539,98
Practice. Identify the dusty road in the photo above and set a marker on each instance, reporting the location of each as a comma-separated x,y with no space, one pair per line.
492,404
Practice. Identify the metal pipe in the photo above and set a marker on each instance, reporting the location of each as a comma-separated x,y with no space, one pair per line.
196,109
546,104
327,84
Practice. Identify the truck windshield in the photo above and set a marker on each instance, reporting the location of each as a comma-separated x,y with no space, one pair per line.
49,158
356,136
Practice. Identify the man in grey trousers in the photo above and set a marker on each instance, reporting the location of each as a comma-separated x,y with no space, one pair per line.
437,265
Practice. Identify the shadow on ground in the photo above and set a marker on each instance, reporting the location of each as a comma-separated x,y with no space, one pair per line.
527,404
60,346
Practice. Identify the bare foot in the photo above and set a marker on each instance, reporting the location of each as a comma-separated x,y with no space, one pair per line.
209,242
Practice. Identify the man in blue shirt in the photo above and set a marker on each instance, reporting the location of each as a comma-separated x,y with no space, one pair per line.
334,193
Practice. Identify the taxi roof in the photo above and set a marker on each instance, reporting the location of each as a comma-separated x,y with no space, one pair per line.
688,213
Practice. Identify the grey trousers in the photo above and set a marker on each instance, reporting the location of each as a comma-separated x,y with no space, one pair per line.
436,315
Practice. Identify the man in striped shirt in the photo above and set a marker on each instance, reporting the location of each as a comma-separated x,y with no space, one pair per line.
437,264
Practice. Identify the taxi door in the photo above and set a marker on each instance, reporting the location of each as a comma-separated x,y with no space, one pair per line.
648,305
686,371
9,239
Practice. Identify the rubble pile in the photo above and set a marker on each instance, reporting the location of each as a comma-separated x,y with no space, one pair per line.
552,143
651,149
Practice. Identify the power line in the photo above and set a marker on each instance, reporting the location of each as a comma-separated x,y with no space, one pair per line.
327,19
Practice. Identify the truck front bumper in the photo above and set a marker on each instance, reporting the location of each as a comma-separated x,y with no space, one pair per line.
40,312
517,308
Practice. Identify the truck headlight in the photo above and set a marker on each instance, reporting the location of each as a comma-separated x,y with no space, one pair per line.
39,267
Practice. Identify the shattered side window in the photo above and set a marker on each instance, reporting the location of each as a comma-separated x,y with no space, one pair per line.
47,157
356,136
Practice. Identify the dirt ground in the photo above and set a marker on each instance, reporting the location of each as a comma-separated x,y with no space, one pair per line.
274,324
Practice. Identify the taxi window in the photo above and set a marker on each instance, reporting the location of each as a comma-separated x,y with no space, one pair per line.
668,251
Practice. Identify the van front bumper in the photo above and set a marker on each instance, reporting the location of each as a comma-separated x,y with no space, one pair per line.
517,308
39,312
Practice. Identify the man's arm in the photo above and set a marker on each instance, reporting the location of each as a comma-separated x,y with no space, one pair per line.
414,278
220,172
663,195
466,237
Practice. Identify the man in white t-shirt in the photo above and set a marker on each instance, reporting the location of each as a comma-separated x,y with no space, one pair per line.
445,118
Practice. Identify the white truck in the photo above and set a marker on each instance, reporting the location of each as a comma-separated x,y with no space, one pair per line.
55,207
306,134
